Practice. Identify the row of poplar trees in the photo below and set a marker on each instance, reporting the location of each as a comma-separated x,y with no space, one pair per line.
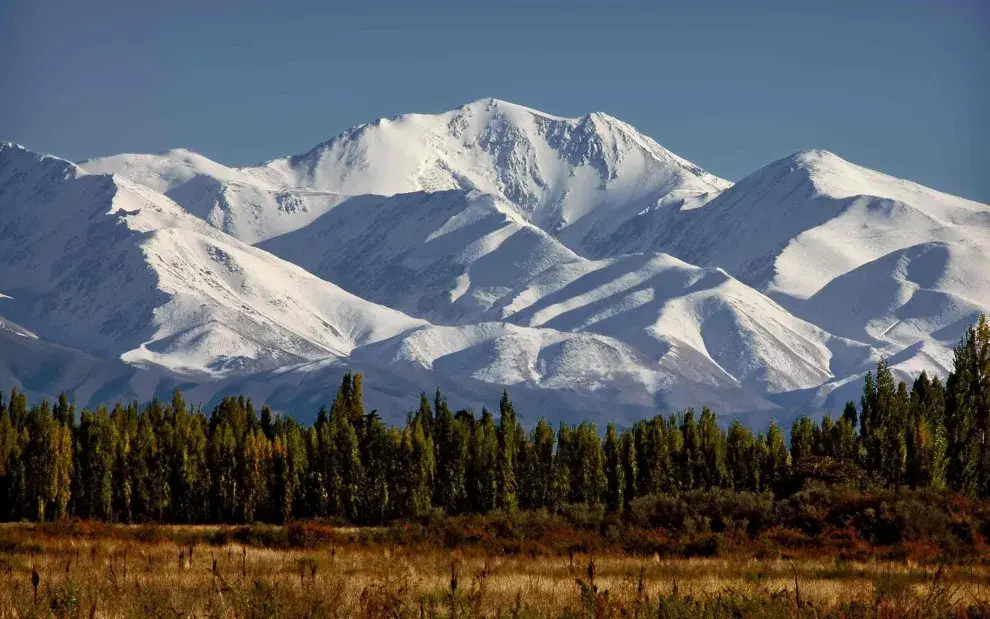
167,463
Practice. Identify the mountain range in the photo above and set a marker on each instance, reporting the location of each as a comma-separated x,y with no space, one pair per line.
575,261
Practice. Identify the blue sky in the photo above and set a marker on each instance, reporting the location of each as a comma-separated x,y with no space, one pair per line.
902,87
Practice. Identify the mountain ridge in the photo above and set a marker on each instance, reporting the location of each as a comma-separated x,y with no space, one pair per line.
496,244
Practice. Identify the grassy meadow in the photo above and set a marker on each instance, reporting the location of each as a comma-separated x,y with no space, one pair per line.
89,570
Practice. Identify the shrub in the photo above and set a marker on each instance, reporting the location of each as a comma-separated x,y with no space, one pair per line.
308,534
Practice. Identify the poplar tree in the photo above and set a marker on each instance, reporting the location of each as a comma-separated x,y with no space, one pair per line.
49,456
802,440
97,447
256,465
125,420
628,462
675,477
289,470
538,487
13,472
776,459
690,462
451,443
482,492
417,470
345,474
222,457
505,467
190,473
740,454
615,475
967,412
562,466
711,468
926,434
653,466
375,496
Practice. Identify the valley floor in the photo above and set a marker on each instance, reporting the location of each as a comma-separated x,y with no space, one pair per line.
125,571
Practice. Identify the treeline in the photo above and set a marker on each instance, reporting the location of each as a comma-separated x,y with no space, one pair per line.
165,462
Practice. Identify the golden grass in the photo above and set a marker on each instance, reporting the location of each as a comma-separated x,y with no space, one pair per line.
108,576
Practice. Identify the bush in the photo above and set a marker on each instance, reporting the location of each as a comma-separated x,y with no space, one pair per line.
582,516
718,510
307,534
150,533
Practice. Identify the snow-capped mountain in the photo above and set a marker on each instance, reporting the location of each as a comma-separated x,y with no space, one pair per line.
570,177
864,255
574,260
102,268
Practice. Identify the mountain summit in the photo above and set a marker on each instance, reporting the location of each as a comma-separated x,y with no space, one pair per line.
572,177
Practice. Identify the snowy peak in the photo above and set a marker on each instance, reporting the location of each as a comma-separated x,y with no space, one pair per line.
17,161
575,178
517,138
555,171
832,176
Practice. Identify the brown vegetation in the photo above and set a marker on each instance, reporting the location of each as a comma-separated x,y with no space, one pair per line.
87,569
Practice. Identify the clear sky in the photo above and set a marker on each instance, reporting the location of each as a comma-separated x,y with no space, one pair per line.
901,86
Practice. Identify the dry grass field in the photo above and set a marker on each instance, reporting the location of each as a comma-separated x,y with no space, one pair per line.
120,572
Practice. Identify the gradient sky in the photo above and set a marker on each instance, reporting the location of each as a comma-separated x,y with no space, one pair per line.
902,87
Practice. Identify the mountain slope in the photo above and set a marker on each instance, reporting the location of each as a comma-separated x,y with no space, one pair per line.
115,269
249,205
798,223
447,256
863,255
464,258
120,272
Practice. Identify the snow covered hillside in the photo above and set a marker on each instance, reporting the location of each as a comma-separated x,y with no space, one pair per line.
116,270
461,258
569,177
246,204
120,273
863,255
574,260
